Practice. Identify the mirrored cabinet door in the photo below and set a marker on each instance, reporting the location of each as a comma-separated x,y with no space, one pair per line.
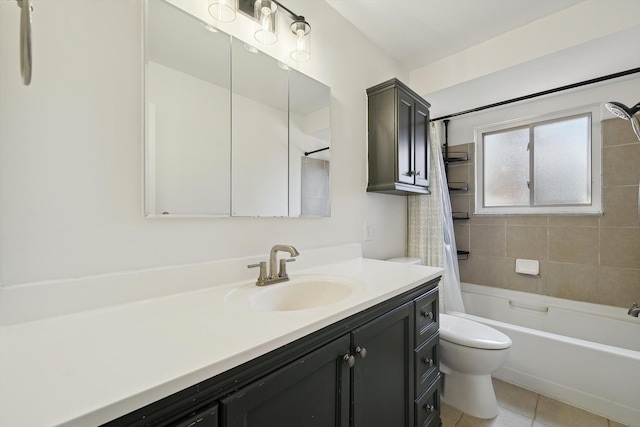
188,117
309,146
260,149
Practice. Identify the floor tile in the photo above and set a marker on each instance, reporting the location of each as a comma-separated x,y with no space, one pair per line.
450,416
553,413
515,398
505,418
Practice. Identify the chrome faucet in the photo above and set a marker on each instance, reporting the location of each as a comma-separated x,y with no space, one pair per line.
634,310
273,276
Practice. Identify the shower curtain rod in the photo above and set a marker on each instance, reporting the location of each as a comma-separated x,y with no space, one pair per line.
306,153
544,92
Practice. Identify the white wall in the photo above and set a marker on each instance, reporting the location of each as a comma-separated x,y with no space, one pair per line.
625,90
71,150
561,32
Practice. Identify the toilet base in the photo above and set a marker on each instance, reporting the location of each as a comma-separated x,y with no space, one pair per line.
471,394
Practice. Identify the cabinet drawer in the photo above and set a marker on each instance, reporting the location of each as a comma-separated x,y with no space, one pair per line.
426,315
427,407
426,363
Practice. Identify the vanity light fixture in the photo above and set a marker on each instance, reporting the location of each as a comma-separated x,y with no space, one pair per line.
301,40
265,13
265,16
223,10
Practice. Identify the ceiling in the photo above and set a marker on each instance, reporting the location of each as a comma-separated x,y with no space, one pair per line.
419,32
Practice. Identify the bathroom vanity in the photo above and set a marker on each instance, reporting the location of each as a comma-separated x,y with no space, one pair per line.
202,343
378,367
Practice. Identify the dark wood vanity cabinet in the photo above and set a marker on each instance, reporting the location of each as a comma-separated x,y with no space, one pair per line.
363,379
383,377
313,391
377,368
398,140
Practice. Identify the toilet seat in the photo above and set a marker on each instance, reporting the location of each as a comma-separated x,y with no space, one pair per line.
468,333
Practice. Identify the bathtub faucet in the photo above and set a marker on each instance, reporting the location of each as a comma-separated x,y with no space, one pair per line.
634,310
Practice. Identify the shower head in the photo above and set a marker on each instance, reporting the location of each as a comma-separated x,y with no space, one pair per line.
622,110
626,113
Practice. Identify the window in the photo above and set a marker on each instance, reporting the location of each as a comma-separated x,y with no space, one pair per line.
544,165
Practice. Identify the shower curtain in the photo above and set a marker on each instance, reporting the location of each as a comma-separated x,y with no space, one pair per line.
430,230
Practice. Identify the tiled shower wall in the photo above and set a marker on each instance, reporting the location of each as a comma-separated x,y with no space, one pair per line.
584,258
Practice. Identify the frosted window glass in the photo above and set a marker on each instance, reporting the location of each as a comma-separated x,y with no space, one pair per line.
562,162
506,168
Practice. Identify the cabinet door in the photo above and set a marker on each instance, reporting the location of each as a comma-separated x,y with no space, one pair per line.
313,391
422,138
405,138
383,380
207,417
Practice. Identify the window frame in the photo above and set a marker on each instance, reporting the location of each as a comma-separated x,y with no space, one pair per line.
594,208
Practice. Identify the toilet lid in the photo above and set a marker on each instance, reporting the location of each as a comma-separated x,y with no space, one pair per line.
468,333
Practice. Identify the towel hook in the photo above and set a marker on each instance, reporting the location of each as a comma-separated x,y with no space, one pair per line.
25,40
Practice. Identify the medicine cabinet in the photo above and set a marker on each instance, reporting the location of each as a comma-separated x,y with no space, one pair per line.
229,130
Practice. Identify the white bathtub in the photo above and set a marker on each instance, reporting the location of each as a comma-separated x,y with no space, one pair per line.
587,355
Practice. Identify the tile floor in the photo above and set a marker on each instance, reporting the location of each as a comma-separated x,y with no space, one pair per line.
518,407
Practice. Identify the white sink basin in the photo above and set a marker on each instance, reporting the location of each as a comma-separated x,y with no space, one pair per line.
304,292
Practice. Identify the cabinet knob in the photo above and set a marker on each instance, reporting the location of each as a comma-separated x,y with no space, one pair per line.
428,361
428,315
429,408
361,351
349,360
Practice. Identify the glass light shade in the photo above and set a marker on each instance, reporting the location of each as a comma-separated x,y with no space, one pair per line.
301,33
265,15
223,10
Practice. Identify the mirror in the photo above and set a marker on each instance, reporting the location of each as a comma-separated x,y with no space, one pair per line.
188,120
259,152
229,130
309,146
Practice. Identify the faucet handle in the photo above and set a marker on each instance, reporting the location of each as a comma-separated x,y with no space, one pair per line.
283,266
262,276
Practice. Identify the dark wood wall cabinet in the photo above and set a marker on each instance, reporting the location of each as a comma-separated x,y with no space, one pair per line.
378,368
399,138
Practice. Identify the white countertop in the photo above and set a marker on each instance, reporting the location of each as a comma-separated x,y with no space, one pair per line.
90,367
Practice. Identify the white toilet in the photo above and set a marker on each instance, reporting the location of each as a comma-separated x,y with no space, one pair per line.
469,352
